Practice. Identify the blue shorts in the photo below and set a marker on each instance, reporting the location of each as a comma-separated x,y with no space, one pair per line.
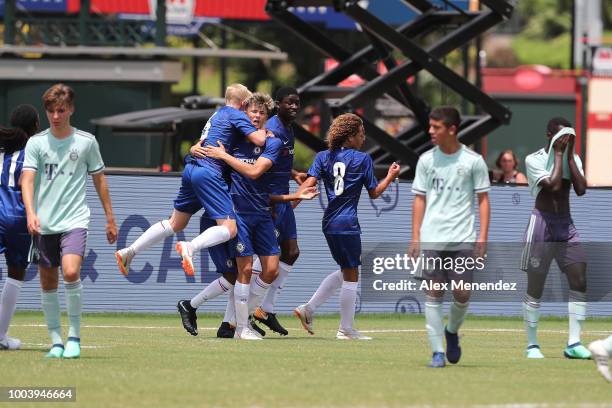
15,240
222,255
204,187
284,222
256,235
345,248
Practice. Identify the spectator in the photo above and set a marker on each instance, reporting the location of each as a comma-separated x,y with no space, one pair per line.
508,163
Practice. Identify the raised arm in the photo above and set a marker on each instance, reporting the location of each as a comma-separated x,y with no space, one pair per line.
576,176
252,171
258,137
99,181
554,182
27,194
392,174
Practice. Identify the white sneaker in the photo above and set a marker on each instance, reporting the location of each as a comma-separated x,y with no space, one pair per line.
247,334
124,259
184,250
350,334
10,343
600,355
304,313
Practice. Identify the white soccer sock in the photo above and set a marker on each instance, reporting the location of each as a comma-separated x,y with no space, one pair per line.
326,289
258,290
434,323
531,315
348,296
230,310
51,309
210,237
607,343
241,303
8,303
215,288
456,315
577,314
74,306
277,287
154,235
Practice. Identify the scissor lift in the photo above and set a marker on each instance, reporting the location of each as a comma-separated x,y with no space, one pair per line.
459,27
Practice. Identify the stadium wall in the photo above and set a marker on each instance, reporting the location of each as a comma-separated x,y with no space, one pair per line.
157,280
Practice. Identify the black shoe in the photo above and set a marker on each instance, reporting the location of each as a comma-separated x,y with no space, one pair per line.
226,331
188,317
453,350
270,320
256,327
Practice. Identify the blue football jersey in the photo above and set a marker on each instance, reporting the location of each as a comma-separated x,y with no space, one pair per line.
11,165
228,125
252,196
279,175
344,172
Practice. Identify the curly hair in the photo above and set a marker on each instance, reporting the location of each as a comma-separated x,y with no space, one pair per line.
343,127
24,122
261,99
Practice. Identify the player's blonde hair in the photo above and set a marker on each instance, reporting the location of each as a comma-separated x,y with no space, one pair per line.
237,94
58,95
261,99
342,128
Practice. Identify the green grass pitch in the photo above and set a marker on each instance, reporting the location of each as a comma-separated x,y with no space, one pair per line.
135,360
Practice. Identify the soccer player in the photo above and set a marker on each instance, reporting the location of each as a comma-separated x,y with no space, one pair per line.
203,185
443,219
54,177
601,351
288,102
551,171
344,171
14,236
251,197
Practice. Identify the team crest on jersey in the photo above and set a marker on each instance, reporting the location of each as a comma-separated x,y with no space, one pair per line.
461,170
74,154
229,263
257,150
240,247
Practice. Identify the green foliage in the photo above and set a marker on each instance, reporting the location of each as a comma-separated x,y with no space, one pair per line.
546,36
554,53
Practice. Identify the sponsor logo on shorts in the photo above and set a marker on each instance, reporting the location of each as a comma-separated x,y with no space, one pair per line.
534,261
74,154
276,232
240,247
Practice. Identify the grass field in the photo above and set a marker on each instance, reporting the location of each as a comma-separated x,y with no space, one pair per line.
133,360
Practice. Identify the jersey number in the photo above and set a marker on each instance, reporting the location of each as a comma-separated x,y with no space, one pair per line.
339,169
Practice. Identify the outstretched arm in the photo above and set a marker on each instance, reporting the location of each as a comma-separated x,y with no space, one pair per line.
102,189
307,193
